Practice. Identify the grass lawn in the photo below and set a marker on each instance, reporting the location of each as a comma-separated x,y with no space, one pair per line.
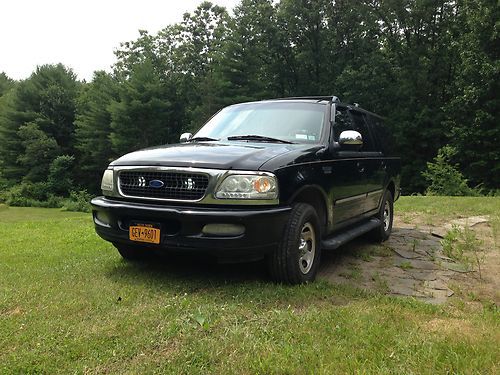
69,304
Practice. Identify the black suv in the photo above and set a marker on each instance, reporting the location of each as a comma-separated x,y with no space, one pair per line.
280,179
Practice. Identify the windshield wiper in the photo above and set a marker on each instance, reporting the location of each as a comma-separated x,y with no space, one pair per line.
258,138
201,139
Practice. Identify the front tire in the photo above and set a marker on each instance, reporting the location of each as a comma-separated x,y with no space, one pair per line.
386,217
297,257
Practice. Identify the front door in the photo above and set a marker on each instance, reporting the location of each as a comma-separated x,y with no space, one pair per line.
354,171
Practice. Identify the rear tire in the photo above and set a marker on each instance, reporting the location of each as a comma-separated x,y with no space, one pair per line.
297,257
386,217
131,253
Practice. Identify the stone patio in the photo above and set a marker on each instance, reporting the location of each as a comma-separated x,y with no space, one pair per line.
411,263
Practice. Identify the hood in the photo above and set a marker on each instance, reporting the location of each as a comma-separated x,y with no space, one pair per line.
218,155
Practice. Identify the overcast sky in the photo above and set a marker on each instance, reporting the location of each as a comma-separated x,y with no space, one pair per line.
81,34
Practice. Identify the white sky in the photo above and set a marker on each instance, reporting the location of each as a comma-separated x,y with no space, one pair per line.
81,34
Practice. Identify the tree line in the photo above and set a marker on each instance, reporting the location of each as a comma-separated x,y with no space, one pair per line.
431,67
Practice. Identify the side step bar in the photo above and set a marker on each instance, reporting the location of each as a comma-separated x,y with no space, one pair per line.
331,243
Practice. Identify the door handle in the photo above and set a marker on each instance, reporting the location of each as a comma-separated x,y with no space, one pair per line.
384,166
361,167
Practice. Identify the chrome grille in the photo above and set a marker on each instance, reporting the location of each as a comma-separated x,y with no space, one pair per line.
163,185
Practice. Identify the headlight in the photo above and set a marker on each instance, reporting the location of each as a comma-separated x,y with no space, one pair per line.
107,180
248,187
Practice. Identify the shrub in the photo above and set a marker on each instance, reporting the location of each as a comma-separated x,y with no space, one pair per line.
60,171
26,193
78,201
463,246
444,177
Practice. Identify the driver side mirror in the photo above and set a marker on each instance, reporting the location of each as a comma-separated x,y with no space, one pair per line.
185,137
350,138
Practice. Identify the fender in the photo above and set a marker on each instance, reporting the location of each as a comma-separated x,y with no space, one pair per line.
315,192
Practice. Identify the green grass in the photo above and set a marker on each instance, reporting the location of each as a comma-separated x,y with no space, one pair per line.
69,304
436,210
446,208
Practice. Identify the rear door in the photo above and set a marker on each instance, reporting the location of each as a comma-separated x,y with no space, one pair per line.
369,162
385,144
373,162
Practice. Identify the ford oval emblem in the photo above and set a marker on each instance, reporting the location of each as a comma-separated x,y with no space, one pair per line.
156,184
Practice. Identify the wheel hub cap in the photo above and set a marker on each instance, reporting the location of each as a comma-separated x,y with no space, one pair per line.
387,216
307,248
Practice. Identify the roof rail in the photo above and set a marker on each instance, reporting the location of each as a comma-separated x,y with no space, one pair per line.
331,98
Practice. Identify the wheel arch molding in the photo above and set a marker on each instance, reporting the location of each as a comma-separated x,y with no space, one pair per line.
316,197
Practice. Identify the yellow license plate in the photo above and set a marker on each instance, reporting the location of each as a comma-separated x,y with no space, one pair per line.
144,233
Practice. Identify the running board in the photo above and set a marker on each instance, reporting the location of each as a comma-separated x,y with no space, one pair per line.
331,243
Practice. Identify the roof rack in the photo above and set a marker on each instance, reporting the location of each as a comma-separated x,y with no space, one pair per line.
331,98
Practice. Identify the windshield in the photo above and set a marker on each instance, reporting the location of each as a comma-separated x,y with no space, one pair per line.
287,121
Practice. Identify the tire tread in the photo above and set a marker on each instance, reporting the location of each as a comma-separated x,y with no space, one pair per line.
281,269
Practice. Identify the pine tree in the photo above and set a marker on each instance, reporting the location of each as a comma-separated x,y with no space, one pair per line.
37,116
143,115
93,128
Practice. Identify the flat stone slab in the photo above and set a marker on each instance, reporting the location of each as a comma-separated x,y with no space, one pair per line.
435,284
403,290
416,264
393,273
423,275
437,297
467,222
406,253
456,267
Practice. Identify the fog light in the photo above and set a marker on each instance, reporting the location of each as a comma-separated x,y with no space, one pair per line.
223,229
102,218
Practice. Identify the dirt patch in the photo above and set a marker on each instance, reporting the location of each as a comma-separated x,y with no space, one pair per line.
412,263
451,327
13,312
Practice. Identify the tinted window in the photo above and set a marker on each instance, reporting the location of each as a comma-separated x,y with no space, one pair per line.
384,136
351,120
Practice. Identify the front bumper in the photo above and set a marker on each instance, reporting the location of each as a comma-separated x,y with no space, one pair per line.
181,226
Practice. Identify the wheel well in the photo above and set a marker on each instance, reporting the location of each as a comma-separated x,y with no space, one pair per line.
315,198
392,189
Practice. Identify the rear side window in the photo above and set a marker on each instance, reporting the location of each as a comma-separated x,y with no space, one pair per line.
384,136
351,120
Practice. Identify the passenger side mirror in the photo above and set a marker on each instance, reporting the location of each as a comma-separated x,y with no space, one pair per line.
185,137
350,138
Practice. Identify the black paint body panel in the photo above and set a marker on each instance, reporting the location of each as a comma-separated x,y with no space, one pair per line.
349,183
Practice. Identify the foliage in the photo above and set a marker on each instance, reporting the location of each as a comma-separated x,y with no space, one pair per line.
93,128
143,114
462,245
443,177
474,107
430,67
36,122
28,194
40,194
60,175
6,84
39,150
79,201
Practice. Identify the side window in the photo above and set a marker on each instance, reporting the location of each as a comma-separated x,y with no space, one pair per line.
351,120
383,135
